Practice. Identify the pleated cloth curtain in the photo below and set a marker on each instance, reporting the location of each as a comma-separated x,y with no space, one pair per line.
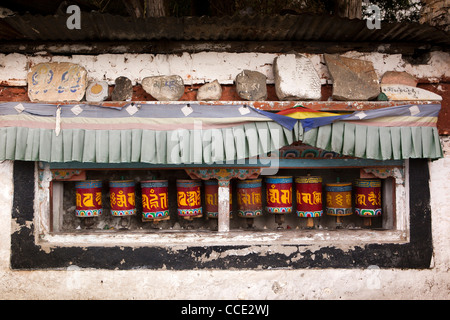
371,142
199,141
222,137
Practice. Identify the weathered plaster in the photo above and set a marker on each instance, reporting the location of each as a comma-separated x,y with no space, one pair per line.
202,67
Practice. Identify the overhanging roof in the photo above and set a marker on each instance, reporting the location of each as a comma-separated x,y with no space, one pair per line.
97,26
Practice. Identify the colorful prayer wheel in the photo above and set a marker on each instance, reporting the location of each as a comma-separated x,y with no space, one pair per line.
155,194
212,198
339,199
279,194
88,198
309,198
188,198
368,198
249,198
122,198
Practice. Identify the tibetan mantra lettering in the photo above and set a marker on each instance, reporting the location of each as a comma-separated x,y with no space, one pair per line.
122,197
188,198
279,194
368,197
309,196
212,198
155,200
339,198
88,198
249,198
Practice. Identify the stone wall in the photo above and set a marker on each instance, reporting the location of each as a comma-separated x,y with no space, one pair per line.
436,13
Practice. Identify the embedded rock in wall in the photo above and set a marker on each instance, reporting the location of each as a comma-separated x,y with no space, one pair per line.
402,92
251,85
210,92
123,90
353,79
56,81
397,77
97,91
164,88
296,78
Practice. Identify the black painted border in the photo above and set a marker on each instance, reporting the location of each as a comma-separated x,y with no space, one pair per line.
417,253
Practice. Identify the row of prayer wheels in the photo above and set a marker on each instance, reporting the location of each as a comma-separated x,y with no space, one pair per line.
155,194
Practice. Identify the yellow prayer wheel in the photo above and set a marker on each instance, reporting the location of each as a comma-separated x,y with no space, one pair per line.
339,200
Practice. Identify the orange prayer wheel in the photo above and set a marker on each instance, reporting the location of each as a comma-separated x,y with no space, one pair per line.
339,200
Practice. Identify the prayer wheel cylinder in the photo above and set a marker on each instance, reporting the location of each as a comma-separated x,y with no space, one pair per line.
279,194
309,196
88,198
189,198
339,199
368,197
212,198
249,198
122,198
155,195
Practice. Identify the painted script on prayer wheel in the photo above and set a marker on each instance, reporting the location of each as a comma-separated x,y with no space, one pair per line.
122,197
339,198
309,196
249,198
155,194
368,197
279,194
188,198
212,198
88,198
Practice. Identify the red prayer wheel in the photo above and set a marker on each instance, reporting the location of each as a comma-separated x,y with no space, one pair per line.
212,198
368,197
309,196
279,194
249,198
155,195
88,198
122,198
188,198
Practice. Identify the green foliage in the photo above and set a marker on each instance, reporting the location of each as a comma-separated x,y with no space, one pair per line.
397,10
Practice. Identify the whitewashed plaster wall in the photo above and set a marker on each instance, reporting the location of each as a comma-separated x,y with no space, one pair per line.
208,66
371,283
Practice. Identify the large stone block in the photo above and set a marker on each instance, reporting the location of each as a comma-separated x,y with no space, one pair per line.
402,92
56,81
210,91
353,79
123,90
164,88
398,77
296,78
251,85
